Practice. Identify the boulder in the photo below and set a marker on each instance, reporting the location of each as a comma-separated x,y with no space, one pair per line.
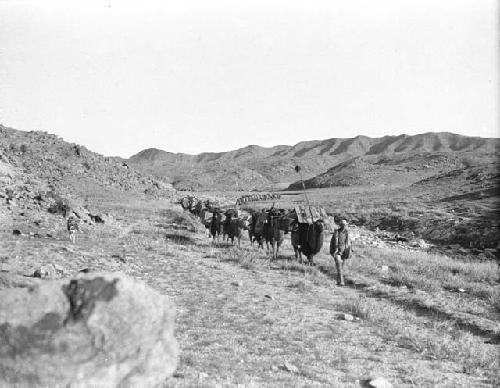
379,382
420,244
60,271
45,271
99,330
289,367
346,317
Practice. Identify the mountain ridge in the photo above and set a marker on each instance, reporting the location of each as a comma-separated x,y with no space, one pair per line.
256,167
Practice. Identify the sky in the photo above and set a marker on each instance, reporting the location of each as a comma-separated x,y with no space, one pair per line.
195,76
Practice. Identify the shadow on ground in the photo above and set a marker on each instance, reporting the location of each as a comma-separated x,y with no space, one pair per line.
180,239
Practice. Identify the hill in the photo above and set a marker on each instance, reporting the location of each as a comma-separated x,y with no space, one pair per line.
395,169
41,175
322,161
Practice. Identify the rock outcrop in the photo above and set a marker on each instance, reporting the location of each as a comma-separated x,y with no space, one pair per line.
99,330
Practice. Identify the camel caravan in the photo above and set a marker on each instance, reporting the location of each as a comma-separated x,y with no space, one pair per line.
306,225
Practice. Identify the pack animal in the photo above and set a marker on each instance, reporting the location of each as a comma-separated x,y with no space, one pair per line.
295,239
274,231
256,228
216,226
235,228
310,240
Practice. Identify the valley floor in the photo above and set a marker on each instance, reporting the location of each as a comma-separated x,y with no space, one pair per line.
243,321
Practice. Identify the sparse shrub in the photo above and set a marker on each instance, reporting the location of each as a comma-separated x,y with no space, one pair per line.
296,266
494,299
248,258
248,262
60,206
180,239
361,307
3,260
299,285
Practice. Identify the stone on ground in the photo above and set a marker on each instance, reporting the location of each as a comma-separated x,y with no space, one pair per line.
290,368
45,271
100,330
346,317
420,243
380,382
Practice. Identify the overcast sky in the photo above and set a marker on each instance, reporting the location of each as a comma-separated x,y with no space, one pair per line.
193,76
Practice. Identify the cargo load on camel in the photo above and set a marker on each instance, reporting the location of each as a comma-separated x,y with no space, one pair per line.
309,214
307,227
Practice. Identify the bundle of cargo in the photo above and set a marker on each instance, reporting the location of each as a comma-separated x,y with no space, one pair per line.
233,213
212,204
310,214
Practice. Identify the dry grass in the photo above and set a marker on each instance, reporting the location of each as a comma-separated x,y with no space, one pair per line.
430,272
443,340
245,320
439,341
442,270
494,299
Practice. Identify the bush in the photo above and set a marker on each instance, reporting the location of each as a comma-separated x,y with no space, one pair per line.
59,204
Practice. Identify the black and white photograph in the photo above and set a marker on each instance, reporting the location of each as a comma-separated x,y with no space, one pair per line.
280,193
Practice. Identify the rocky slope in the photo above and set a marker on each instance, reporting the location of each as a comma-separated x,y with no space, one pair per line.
42,176
397,169
458,206
355,159
49,158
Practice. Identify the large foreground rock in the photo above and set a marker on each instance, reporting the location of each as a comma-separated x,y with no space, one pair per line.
99,330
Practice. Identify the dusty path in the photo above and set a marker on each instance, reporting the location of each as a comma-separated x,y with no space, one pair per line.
235,334
249,325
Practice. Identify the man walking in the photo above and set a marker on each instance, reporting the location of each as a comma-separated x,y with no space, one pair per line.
340,249
73,227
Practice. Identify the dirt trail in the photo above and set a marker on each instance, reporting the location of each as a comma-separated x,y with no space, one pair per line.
243,327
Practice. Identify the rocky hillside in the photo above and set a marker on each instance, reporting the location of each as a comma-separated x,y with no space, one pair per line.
54,161
359,160
457,207
42,175
395,169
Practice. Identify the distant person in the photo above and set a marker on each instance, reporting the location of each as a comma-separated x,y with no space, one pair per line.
340,249
73,227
